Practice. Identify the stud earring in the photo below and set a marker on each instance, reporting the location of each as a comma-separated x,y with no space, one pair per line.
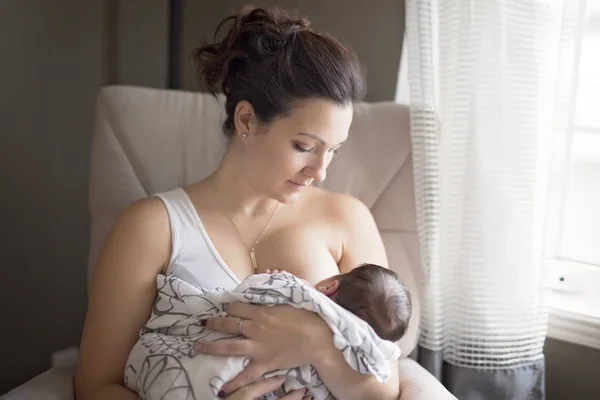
244,135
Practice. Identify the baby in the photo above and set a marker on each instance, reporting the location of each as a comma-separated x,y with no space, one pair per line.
374,294
367,309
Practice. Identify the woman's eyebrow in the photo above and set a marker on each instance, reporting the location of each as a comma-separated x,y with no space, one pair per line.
324,143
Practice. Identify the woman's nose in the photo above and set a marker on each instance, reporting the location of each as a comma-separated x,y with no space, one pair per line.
320,174
317,171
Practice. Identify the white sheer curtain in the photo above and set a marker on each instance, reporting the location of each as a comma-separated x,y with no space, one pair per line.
489,99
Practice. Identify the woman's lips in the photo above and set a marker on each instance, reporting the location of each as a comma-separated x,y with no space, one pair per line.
298,186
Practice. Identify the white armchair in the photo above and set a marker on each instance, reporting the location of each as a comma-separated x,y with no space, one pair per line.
150,140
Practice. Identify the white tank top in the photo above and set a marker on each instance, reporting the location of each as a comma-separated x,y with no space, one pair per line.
194,258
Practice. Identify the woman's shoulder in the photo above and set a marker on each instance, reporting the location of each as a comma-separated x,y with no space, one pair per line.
143,225
339,206
146,212
146,221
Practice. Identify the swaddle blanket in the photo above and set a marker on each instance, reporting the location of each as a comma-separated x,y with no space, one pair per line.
163,363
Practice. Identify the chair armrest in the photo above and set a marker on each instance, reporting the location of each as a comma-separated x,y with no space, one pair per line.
53,384
416,383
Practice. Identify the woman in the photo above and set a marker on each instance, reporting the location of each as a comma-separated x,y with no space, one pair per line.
289,96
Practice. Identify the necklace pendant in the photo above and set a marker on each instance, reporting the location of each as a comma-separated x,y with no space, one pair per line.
253,260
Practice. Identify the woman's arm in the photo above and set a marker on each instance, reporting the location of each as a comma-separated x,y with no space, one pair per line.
347,384
282,337
122,292
361,244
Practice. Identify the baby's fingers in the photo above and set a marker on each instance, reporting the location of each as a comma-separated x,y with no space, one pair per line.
274,271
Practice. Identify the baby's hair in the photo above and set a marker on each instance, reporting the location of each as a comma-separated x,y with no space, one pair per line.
378,296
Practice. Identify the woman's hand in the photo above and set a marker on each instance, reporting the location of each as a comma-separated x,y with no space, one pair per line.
277,337
262,387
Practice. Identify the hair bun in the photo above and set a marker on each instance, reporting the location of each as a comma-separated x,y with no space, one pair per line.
270,57
255,33
260,32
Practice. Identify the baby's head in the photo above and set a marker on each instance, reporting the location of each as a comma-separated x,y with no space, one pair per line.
376,295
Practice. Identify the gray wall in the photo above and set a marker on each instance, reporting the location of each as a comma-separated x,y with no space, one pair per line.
572,372
52,66
139,42
55,57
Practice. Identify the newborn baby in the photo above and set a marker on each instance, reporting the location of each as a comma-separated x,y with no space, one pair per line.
373,293
366,309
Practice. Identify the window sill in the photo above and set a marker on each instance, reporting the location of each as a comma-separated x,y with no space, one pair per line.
574,328
574,303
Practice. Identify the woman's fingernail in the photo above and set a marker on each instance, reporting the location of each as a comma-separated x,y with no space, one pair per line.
203,322
221,394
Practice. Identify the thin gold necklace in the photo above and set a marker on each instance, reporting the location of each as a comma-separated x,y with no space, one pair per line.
252,254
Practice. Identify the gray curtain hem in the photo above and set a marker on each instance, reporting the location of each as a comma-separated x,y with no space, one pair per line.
526,382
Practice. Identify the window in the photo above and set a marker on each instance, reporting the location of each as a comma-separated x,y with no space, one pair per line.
580,239
575,274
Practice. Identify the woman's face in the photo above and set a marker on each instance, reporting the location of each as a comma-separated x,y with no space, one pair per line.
292,152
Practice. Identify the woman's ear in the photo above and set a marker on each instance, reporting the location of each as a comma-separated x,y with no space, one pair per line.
244,118
329,288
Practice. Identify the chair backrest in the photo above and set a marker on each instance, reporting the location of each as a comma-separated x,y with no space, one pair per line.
152,140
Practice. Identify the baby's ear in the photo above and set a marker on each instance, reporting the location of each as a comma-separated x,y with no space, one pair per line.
329,288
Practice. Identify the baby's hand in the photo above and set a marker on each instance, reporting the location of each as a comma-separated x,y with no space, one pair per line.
274,271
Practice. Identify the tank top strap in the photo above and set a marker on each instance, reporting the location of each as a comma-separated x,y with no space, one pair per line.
193,255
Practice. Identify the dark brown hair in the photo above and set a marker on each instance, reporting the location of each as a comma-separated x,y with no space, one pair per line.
272,59
378,296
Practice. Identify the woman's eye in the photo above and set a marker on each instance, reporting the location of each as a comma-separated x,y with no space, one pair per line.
302,149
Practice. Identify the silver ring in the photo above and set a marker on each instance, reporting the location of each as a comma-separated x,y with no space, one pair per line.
239,331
